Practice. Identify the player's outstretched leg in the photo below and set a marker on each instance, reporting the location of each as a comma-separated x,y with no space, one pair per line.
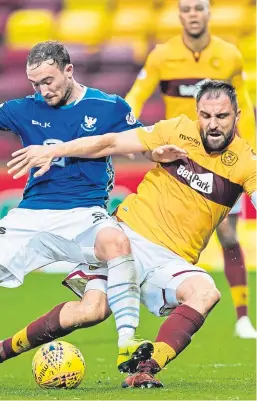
197,295
60,321
236,274
123,293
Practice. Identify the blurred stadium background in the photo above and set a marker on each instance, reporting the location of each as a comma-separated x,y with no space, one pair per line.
108,41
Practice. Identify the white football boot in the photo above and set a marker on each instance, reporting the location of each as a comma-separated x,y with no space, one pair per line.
244,328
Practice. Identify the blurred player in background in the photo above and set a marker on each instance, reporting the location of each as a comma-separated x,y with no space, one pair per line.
178,66
169,221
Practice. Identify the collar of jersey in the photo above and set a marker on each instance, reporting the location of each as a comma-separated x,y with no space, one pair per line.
68,106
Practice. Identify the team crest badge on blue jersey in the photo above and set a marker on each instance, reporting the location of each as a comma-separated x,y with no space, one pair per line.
131,119
89,124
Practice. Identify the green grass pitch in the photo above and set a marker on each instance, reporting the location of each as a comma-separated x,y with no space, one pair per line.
216,366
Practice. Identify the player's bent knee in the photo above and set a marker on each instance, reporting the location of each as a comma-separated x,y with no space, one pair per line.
213,297
110,243
199,292
205,299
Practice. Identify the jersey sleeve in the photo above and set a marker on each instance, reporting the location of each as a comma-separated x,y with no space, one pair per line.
146,82
249,183
161,133
7,117
123,118
246,124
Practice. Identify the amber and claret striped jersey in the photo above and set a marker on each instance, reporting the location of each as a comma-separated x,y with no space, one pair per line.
178,205
178,71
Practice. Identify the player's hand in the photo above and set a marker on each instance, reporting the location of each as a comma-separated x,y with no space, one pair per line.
27,158
168,153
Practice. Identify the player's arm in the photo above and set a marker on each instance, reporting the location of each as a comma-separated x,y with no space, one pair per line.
146,82
102,145
131,141
246,124
8,116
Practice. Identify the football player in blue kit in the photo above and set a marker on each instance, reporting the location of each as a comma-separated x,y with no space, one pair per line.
70,199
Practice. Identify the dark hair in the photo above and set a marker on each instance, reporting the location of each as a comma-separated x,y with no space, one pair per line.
50,50
214,88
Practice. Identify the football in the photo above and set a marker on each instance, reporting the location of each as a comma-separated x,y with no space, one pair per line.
58,365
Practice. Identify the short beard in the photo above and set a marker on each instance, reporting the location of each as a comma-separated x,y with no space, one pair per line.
66,97
223,146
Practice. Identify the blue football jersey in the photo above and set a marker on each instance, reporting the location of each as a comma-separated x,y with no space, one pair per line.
71,182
